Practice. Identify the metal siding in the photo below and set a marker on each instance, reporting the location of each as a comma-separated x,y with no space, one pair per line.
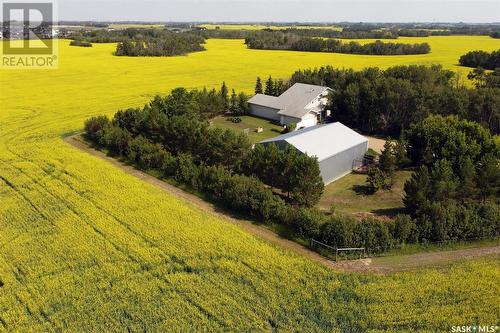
341,164
264,112
281,144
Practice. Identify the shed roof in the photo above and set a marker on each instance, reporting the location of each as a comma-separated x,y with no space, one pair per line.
322,141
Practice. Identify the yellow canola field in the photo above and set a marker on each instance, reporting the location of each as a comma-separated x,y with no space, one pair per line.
87,248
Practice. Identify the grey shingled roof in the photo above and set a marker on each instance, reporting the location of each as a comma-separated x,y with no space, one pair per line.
292,102
322,141
265,100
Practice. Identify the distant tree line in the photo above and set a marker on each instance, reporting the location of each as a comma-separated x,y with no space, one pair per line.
145,42
174,45
80,43
280,41
481,59
388,101
335,33
363,31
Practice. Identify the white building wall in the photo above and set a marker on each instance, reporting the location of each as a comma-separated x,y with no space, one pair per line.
264,112
308,120
339,165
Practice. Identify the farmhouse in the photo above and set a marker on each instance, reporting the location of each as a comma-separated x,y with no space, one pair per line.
338,148
302,104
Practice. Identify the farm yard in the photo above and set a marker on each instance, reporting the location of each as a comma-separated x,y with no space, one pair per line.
86,247
349,195
242,123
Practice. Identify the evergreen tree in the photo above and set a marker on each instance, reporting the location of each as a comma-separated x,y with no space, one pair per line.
243,106
233,104
224,92
388,159
269,87
258,86
278,87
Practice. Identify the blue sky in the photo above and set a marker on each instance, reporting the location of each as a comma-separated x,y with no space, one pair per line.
283,10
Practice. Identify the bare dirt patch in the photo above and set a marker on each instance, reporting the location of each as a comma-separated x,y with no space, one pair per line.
376,144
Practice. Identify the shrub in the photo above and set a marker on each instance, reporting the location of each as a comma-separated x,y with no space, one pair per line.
94,128
308,222
378,179
80,43
339,231
187,171
116,140
405,229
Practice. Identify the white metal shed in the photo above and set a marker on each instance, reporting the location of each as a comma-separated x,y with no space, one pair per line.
337,147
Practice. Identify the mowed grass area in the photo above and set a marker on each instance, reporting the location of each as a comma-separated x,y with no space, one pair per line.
251,123
87,248
350,195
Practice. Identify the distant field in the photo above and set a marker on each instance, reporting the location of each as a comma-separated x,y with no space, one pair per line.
260,27
126,26
87,248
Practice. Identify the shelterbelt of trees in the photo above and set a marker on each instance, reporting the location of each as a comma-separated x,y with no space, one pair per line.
145,42
362,30
80,43
293,42
481,59
171,138
388,101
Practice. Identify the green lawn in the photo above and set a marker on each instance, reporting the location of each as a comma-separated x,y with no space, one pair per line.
349,195
249,122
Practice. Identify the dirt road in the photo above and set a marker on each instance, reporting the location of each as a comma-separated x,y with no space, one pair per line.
415,261
375,265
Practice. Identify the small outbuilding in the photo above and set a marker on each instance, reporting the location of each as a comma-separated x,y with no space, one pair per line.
338,148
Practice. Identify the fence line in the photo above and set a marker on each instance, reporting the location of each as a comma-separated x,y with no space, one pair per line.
378,251
338,250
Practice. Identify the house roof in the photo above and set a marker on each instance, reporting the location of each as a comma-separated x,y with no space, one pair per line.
293,102
322,141
266,100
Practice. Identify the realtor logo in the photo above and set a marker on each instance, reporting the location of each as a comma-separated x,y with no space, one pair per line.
28,33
